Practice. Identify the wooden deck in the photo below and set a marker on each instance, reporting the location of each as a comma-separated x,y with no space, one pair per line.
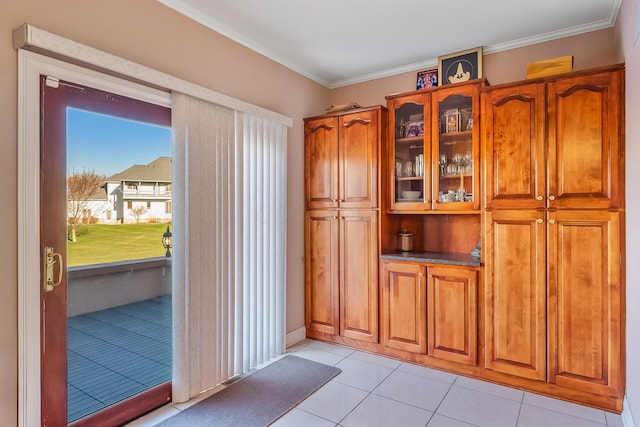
116,353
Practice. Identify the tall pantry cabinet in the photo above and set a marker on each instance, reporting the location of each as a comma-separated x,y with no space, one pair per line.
553,209
342,152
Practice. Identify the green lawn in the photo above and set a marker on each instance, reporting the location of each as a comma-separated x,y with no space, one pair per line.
100,243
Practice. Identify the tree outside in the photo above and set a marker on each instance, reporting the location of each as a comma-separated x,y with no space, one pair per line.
81,188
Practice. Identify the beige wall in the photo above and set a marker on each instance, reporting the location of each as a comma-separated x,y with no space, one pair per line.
588,50
624,39
151,34
147,32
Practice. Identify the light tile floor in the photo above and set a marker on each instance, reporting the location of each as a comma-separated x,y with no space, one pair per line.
376,391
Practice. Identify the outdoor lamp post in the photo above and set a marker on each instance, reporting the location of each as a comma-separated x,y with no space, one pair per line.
166,241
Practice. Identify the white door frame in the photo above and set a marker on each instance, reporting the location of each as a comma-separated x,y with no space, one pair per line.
30,67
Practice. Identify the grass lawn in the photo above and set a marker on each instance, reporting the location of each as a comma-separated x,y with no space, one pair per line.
100,243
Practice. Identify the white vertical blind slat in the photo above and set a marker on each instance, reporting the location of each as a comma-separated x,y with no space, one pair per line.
229,243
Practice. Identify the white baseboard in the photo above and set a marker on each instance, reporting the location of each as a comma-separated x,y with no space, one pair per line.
296,336
627,417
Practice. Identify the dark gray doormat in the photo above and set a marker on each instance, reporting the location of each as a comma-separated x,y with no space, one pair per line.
260,398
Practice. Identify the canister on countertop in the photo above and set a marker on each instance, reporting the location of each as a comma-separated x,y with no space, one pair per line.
405,240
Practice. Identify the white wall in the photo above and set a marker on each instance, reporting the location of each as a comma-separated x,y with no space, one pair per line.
624,34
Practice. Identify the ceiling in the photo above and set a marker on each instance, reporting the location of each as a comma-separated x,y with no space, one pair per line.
341,42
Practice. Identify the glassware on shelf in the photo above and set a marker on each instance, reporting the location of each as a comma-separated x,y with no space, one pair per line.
467,161
457,160
398,168
408,168
442,161
419,165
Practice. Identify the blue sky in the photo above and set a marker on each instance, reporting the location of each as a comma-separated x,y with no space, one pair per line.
108,145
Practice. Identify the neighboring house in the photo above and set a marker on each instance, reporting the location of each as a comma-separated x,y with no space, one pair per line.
142,188
97,208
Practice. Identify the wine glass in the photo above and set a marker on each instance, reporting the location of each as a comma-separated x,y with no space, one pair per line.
457,160
442,161
467,161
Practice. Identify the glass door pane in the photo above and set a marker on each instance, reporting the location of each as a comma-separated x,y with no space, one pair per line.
119,269
455,150
410,156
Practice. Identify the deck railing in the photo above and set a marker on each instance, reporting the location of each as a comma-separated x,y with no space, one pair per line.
100,286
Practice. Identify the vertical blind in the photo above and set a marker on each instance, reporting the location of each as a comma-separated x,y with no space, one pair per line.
229,213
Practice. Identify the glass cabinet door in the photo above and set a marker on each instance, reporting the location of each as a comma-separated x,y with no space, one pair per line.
455,149
411,168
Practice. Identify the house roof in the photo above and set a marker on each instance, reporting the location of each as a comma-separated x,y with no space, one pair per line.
158,170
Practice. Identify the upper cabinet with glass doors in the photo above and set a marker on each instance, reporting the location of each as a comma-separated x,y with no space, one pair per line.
410,152
434,149
456,147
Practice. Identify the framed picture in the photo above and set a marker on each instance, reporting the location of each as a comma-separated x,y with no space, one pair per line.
427,78
460,66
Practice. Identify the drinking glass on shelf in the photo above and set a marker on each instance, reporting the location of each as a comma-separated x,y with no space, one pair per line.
442,161
408,169
467,161
457,160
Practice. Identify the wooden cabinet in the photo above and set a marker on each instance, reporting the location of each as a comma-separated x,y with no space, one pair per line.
430,309
584,127
553,144
452,314
341,160
341,272
456,147
434,149
585,304
515,293
553,160
358,248
513,138
322,301
341,223
404,306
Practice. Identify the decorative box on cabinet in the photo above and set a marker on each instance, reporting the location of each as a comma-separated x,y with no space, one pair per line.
552,162
425,127
341,223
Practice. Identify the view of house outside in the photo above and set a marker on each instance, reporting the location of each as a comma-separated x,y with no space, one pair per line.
119,188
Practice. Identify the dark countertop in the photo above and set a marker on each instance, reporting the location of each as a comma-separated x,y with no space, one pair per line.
433,258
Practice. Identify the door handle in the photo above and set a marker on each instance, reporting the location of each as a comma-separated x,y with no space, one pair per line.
50,259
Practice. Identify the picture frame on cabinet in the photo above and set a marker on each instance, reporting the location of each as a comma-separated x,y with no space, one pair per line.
460,66
427,79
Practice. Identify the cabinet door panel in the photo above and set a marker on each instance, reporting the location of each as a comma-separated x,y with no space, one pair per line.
321,163
513,120
452,314
404,305
585,301
359,275
358,172
321,271
584,141
515,294
460,141
404,149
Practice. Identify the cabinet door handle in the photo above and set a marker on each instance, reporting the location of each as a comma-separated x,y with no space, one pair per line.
552,197
539,220
552,221
539,197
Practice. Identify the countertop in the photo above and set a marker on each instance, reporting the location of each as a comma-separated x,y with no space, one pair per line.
433,258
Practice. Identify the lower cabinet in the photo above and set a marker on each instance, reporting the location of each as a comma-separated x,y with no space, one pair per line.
452,295
404,307
342,273
430,309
